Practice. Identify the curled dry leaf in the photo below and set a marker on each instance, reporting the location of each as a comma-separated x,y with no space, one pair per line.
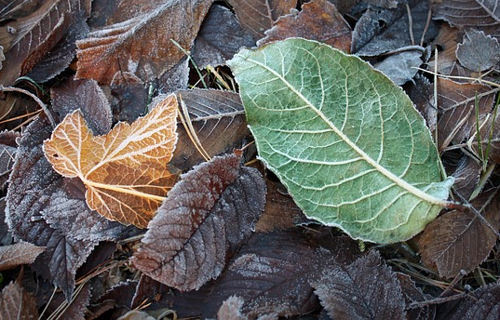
19,253
478,52
26,40
208,213
143,44
259,15
124,171
214,114
17,304
459,240
366,289
319,20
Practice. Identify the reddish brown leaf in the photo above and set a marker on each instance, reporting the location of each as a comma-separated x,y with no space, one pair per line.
124,171
459,240
27,39
280,212
19,253
259,15
37,193
143,44
220,37
457,109
210,211
366,289
214,114
478,14
447,41
17,304
319,20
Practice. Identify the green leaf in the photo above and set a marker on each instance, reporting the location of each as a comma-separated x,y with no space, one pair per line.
344,139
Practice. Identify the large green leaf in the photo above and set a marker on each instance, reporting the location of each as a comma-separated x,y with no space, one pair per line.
346,141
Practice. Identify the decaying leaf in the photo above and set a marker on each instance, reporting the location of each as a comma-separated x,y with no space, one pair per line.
214,114
259,15
231,309
319,20
220,37
26,40
143,44
478,14
489,135
8,147
337,144
36,193
124,171
420,91
478,52
280,212
401,67
136,315
457,109
413,294
447,42
19,253
17,304
459,240
383,30
466,176
208,213
366,289
482,303
76,308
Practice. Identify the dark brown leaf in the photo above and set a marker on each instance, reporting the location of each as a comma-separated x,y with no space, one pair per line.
366,289
382,30
478,14
421,93
483,303
121,294
8,148
447,42
19,253
17,304
457,109
280,212
319,20
490,145
78,306
210,211
5,236
220,37
13,9
26,40
143,44
478,52
259,15
466,176
459,240
413,294
176,78
214,114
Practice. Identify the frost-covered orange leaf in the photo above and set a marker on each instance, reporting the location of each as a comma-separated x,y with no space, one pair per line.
124,171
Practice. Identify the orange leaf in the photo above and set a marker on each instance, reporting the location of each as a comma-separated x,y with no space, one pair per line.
125,170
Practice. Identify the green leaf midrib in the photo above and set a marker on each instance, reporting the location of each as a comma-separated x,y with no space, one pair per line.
398,181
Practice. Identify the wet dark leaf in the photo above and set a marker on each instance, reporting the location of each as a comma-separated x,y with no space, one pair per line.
208,213
214,114
220,37
366,289
259,15
382,30
143,44
17,304
319,20
478,51
459,240
19,253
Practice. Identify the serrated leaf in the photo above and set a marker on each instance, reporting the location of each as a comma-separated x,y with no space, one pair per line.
124,171
19,253
208,213
366,289
345,141
459,240
17,304
478,51
482,303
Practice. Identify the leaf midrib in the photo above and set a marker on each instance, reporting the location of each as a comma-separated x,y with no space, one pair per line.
400,182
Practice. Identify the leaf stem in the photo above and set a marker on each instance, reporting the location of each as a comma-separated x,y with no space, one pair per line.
122,190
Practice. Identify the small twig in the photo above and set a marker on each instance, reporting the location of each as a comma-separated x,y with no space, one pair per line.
32,96
410,24
403,49
426,27
48,303
453,283
421,304
460,77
